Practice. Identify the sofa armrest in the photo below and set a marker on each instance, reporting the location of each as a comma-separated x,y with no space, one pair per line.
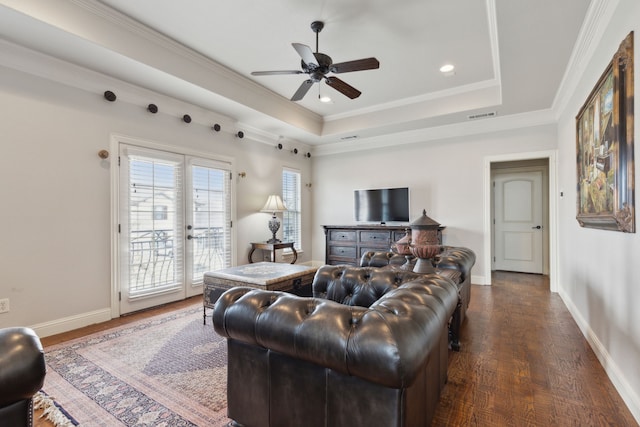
386,343
456,258
22,364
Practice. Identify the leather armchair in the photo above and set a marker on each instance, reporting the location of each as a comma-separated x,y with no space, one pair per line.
22,372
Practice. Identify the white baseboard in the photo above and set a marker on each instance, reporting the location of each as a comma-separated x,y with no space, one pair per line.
631,399
479,280
70,323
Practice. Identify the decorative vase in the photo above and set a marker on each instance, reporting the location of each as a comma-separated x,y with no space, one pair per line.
424,245
425,254
403,247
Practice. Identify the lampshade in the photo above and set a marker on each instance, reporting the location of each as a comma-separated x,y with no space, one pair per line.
274,204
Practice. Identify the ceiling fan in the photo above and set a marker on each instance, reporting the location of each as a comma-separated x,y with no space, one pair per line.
317,65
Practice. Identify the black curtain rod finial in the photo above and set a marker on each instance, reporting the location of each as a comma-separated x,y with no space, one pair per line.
152,108
216,127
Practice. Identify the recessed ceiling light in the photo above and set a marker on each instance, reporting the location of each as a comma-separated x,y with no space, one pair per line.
447,68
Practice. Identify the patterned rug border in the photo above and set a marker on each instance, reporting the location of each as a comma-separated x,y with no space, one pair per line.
172,407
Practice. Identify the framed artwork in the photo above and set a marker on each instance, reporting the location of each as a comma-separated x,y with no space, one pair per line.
604,145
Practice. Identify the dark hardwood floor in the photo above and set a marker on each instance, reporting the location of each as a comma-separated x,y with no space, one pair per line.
523,362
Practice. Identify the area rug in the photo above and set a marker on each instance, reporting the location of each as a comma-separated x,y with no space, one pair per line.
48,412
167,370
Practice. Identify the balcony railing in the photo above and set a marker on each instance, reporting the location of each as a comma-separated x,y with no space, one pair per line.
153,257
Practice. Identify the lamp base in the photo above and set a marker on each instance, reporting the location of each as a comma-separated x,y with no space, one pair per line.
274,226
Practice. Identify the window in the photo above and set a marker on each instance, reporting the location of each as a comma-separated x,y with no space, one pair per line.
291,230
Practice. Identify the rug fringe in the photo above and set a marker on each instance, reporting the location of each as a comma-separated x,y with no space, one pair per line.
51,411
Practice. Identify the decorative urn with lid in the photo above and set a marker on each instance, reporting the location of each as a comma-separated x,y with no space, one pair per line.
403,247
424,242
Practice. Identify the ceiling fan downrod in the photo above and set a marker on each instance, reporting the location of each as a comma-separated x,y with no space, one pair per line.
317,26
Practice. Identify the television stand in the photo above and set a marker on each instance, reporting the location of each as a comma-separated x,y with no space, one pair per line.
345,244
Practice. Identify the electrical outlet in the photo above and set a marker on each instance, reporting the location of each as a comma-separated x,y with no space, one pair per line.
4,305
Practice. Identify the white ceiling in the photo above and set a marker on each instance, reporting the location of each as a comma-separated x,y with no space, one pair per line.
510,56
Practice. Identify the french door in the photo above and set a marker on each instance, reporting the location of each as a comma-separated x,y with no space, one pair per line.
174,225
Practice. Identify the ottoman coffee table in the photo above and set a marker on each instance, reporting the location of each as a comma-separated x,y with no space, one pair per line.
270,276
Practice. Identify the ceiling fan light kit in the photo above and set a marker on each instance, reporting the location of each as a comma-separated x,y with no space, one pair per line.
317,65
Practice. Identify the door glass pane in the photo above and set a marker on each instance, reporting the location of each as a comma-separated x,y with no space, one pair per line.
154,223
211,221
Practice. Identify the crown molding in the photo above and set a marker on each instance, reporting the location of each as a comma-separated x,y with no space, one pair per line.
93,22
597,19
454,130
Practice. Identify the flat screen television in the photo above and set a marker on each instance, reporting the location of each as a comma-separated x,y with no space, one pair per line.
382,205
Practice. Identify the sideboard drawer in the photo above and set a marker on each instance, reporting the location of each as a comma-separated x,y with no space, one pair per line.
342,236
375,238
342,251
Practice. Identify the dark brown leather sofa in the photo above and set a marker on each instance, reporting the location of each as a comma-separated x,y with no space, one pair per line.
369,349
22,372
453,262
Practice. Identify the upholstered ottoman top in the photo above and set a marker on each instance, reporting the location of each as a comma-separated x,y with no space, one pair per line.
262,274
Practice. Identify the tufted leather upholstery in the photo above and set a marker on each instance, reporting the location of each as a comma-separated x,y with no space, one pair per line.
357,286
378,337
22,372
453,262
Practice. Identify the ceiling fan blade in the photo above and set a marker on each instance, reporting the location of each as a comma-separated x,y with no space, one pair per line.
302,90
357,65
306,54
275,73
342,87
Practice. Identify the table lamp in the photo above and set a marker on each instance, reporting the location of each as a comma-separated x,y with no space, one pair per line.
274,204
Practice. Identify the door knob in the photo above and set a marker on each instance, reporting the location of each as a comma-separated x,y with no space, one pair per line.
537,227
189,237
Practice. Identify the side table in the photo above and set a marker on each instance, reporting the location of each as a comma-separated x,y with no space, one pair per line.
272,247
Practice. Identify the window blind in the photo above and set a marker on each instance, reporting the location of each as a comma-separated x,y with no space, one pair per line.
153,231
291,218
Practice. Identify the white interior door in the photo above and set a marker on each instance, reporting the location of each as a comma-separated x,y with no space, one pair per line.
518,217
174,224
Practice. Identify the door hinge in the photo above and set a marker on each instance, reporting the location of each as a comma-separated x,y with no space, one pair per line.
230,224
494,259
119,296
119,228
118,160
230,175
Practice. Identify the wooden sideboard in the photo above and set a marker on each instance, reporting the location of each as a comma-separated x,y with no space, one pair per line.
345,244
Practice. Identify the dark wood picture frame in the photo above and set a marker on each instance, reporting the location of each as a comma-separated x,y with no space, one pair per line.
604,146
